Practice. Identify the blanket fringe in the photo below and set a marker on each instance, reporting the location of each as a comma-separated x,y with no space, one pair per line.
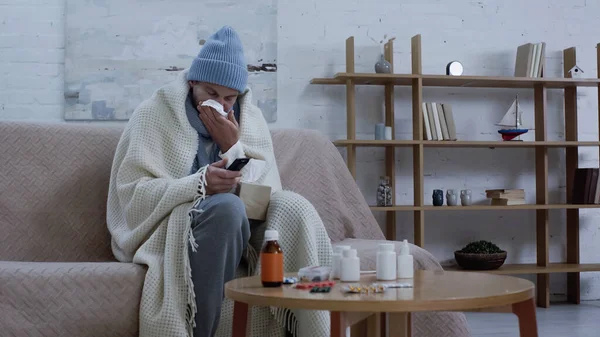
285,317
191,309
194,210
202,183
252,259
191,295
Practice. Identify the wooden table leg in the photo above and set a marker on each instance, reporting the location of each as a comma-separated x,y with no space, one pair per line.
400,324
359,329
374,325
240,319
525,311
338,324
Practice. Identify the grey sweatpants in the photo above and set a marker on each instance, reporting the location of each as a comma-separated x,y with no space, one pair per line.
222,231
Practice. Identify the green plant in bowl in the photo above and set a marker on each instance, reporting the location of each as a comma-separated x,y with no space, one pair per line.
481,247
480,255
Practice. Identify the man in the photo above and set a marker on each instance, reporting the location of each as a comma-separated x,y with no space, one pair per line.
170,205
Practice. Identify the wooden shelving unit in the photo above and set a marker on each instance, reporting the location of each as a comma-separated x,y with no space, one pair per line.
418,81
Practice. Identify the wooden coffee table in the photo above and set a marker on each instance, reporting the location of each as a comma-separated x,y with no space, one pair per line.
432,291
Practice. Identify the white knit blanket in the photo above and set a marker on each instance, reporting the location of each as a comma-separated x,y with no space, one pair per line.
152,193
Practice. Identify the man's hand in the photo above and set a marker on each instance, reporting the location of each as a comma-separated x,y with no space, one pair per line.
224,131
220,180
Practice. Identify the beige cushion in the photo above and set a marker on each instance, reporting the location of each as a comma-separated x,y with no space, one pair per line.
53,189
69,299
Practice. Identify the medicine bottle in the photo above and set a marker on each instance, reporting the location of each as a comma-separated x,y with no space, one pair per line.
386,262
271,260
350,266
336,261
406,262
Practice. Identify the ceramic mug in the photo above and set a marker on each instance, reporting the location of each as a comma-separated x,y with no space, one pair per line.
451,198
465,197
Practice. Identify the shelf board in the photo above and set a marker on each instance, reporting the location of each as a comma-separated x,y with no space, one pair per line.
457,81
375,143
514,269
326,81
480,207
505,82
520,144
394,208
464,144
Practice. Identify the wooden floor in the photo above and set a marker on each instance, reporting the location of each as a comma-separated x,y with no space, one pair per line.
560,320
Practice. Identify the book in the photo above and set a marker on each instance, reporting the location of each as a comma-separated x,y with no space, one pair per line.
507,202
427,127
431,122
585,186
449,120
523,61
534,60
592,186
436,118
443,122
530,60
597,196
506,193
577,193
538,59
542,60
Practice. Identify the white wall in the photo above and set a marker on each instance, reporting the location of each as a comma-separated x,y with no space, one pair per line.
31,59
483,35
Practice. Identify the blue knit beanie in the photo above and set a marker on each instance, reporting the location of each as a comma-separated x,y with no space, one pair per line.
221,61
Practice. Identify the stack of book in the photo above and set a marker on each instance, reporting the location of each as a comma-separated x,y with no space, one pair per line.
585,186
506,197
530,60
438,121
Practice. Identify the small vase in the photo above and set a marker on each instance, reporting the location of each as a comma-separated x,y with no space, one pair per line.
438,197
465,197
451,198
383,66
379,131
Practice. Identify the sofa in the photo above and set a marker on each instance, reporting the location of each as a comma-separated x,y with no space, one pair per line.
58,276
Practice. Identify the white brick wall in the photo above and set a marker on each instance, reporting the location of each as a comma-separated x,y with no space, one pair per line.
482,34
31,59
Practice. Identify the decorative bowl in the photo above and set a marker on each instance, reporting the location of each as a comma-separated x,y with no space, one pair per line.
475,261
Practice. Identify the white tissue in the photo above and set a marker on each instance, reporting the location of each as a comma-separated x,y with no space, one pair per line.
253,170
215,105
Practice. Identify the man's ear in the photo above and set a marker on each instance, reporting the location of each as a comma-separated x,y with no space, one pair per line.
191,83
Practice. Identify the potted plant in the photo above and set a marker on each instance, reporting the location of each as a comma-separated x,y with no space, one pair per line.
480,255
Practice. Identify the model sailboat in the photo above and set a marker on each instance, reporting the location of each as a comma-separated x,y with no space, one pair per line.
512,118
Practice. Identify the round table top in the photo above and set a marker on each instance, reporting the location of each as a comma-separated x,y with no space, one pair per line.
431,291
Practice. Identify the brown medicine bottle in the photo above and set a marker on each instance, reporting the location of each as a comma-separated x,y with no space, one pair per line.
271,260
